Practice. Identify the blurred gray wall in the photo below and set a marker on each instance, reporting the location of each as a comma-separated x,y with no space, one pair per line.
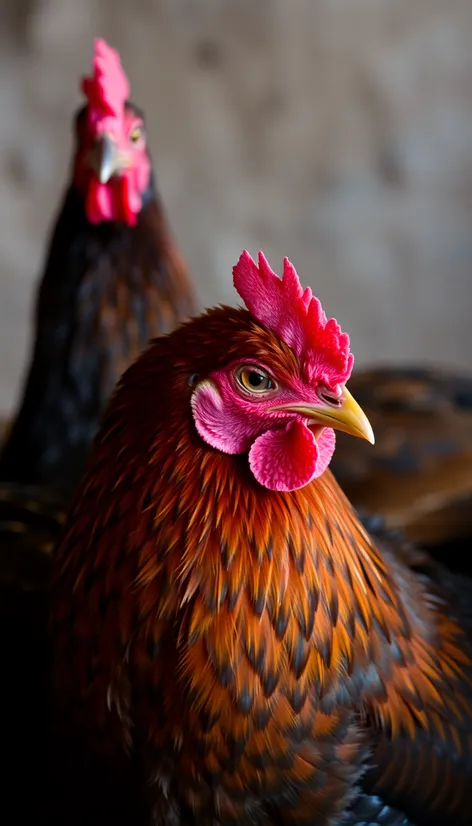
337,132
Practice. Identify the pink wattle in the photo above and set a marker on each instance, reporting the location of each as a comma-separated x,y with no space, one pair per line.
289,457
116,200
284,457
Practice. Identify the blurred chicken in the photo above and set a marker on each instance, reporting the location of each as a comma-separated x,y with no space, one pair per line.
418,475
113,279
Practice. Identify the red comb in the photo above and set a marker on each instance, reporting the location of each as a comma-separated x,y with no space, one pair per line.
107,89
296,316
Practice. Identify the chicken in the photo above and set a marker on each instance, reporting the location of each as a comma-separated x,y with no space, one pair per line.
113,279
221,616
418,477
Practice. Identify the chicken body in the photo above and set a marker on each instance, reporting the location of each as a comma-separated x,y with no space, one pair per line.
254,652
113,280
418,476
107,290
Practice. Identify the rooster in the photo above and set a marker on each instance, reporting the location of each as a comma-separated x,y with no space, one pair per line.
220,614
113,279
419,475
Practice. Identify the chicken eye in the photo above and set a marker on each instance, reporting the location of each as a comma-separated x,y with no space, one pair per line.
254,380
136,134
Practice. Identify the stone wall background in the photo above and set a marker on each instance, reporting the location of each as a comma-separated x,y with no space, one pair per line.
337,132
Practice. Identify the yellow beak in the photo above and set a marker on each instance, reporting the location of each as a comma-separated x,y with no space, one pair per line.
106,159
348,416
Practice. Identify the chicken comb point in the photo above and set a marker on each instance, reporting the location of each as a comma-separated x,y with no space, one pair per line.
296,315
107,89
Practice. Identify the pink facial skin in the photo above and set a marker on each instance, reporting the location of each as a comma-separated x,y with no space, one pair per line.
284,453
120,198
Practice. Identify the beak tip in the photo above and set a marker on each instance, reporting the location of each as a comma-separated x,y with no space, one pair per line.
105,158
367,432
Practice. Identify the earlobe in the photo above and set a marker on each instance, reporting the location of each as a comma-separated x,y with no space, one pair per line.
220,427
206,405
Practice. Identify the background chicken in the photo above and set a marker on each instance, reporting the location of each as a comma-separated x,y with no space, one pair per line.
220,612
418,475
113,279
